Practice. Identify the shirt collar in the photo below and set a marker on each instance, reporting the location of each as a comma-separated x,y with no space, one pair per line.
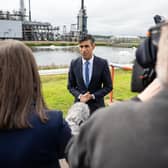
90,60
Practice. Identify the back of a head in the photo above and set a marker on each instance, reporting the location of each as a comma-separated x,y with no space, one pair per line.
162,56
20,91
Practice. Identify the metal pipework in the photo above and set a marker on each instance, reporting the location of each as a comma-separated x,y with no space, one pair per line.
82,4
29,11
22,9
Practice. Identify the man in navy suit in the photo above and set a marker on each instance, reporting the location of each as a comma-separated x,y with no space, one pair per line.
89,77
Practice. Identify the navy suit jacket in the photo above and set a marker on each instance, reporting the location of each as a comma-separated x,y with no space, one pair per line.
100,83
38,147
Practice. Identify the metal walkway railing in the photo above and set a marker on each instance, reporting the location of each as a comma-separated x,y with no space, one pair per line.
114,66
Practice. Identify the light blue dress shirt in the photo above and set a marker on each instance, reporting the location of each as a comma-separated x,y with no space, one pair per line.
90,68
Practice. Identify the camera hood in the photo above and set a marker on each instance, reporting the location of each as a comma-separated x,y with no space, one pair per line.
146,54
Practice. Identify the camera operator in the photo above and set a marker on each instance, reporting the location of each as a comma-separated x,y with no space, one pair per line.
144,75
144,66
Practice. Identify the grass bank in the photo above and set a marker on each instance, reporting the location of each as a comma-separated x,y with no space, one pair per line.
58,97
48,43
58,43
72,43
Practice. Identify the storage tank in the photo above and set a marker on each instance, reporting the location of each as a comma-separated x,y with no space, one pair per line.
10,29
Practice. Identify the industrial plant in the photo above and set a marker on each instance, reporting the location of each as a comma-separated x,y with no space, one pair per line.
19,25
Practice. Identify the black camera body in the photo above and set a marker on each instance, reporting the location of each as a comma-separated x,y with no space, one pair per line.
144,65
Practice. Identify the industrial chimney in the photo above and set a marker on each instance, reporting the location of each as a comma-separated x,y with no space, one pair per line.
29,12
82,20
22,10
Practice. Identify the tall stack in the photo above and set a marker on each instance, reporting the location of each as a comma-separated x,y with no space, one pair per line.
82,20
22,10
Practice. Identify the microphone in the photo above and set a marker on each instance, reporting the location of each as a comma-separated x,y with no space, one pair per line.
77,115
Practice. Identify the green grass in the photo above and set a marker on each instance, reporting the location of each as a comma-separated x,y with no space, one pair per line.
122,85
55,92
72,43
58,97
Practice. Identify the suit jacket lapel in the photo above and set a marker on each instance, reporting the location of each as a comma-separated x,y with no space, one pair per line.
80,68
93,71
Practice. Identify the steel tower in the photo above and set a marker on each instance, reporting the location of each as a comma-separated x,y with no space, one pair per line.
22,10
82,20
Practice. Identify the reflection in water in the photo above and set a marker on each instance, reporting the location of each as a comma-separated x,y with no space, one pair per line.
62,55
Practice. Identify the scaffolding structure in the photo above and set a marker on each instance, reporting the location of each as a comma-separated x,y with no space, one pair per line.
33,30
37,31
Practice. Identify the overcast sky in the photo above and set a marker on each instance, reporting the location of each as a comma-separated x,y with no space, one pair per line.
105,17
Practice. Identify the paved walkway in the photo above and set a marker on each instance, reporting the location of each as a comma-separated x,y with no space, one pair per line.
65,70
53,71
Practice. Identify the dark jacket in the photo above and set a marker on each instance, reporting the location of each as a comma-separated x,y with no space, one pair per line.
126,135
37,147
100,83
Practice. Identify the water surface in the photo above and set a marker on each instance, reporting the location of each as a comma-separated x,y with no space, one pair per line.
62,55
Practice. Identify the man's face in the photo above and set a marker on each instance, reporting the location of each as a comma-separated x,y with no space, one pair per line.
86,49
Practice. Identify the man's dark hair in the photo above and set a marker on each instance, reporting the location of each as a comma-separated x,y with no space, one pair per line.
86,37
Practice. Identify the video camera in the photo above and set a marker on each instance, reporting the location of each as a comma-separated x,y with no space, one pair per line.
144,65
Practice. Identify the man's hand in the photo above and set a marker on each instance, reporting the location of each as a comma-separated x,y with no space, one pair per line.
86,97
150,91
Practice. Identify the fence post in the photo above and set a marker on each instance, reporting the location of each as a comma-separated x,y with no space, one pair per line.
112,70
112,78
